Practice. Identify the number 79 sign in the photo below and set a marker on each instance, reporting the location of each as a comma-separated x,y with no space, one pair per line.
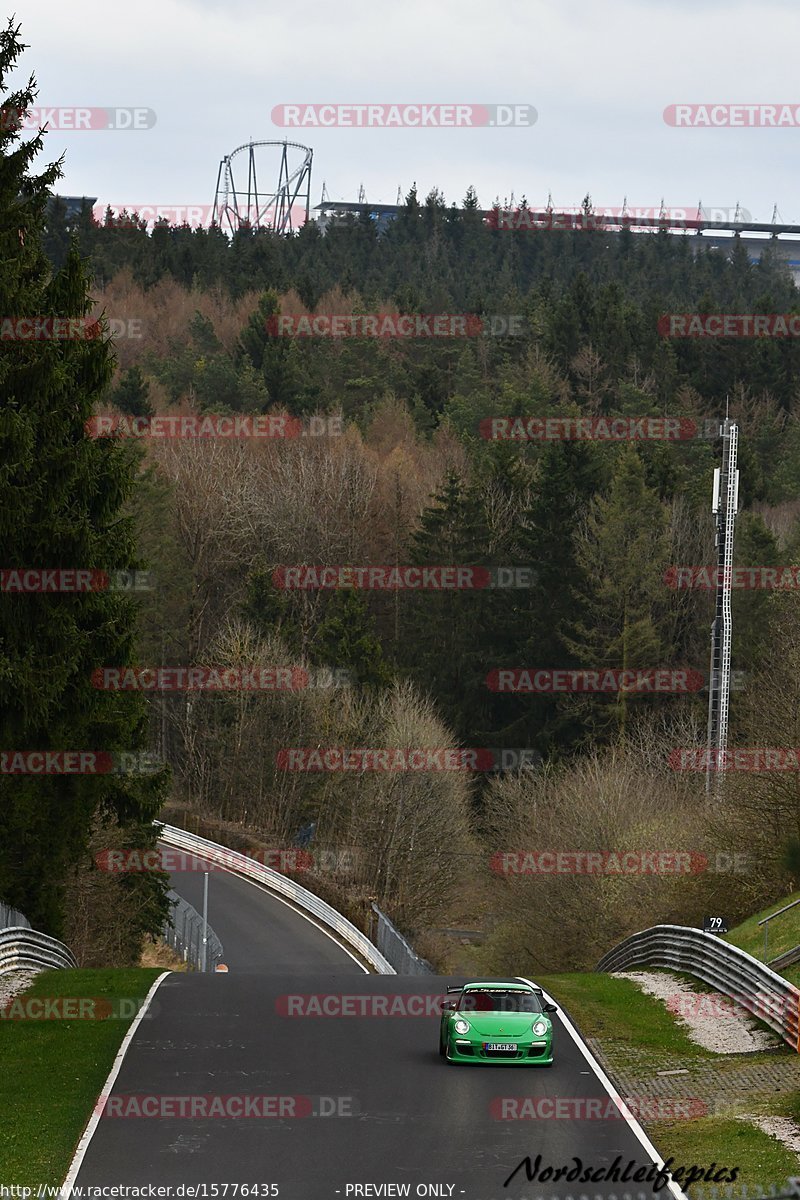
715,925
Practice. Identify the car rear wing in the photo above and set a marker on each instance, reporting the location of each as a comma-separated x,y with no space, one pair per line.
459,987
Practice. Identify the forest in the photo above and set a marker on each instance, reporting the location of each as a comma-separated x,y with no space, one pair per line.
383,452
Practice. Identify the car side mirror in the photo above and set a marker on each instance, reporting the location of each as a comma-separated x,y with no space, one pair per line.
549,1008
451,1005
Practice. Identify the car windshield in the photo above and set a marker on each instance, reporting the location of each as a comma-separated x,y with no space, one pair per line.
499,1001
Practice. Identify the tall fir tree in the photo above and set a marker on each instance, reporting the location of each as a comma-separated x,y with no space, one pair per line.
62,499
623,553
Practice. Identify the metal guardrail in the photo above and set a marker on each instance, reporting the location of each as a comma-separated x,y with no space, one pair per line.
241,864
394,946
25,949
787,959
184,933
766,920
12,917
730,970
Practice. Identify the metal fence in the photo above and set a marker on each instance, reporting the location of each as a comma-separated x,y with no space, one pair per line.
184,933
395,948
12,917
241,864
730,970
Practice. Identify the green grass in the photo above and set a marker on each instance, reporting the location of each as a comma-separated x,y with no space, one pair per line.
617,1010
52,1071
761,1160
784,931
638,1037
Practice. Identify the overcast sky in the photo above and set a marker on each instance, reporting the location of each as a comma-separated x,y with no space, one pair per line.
598,75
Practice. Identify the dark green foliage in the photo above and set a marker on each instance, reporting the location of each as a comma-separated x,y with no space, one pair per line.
62,500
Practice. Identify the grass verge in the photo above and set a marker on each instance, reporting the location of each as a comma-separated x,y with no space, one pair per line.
638,1039
782,934
52,1071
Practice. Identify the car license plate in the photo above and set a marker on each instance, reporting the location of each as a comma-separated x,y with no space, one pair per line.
499,1045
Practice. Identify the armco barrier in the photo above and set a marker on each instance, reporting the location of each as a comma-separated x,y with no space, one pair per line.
730,970
24,949
12,918
241,864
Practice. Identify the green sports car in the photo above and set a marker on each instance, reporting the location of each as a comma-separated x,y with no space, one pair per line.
497,1022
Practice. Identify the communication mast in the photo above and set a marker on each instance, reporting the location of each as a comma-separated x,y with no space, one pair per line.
725,505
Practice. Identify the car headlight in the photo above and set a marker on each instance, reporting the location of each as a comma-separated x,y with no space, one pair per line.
462,1026
539,1028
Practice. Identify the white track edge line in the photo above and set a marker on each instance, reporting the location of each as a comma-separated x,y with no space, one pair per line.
637,1130
88,1133
307,916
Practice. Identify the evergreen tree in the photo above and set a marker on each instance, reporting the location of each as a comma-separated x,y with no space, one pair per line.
345,641
275,358
441,640
623,554
131,394
61,505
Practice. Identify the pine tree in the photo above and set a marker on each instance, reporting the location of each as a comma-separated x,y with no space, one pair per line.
623,554
441,634
132,392
62,496
275,358
345,641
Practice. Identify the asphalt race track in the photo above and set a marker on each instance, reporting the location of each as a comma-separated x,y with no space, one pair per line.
355,1100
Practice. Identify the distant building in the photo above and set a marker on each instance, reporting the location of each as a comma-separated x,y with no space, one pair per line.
756,237
75,203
